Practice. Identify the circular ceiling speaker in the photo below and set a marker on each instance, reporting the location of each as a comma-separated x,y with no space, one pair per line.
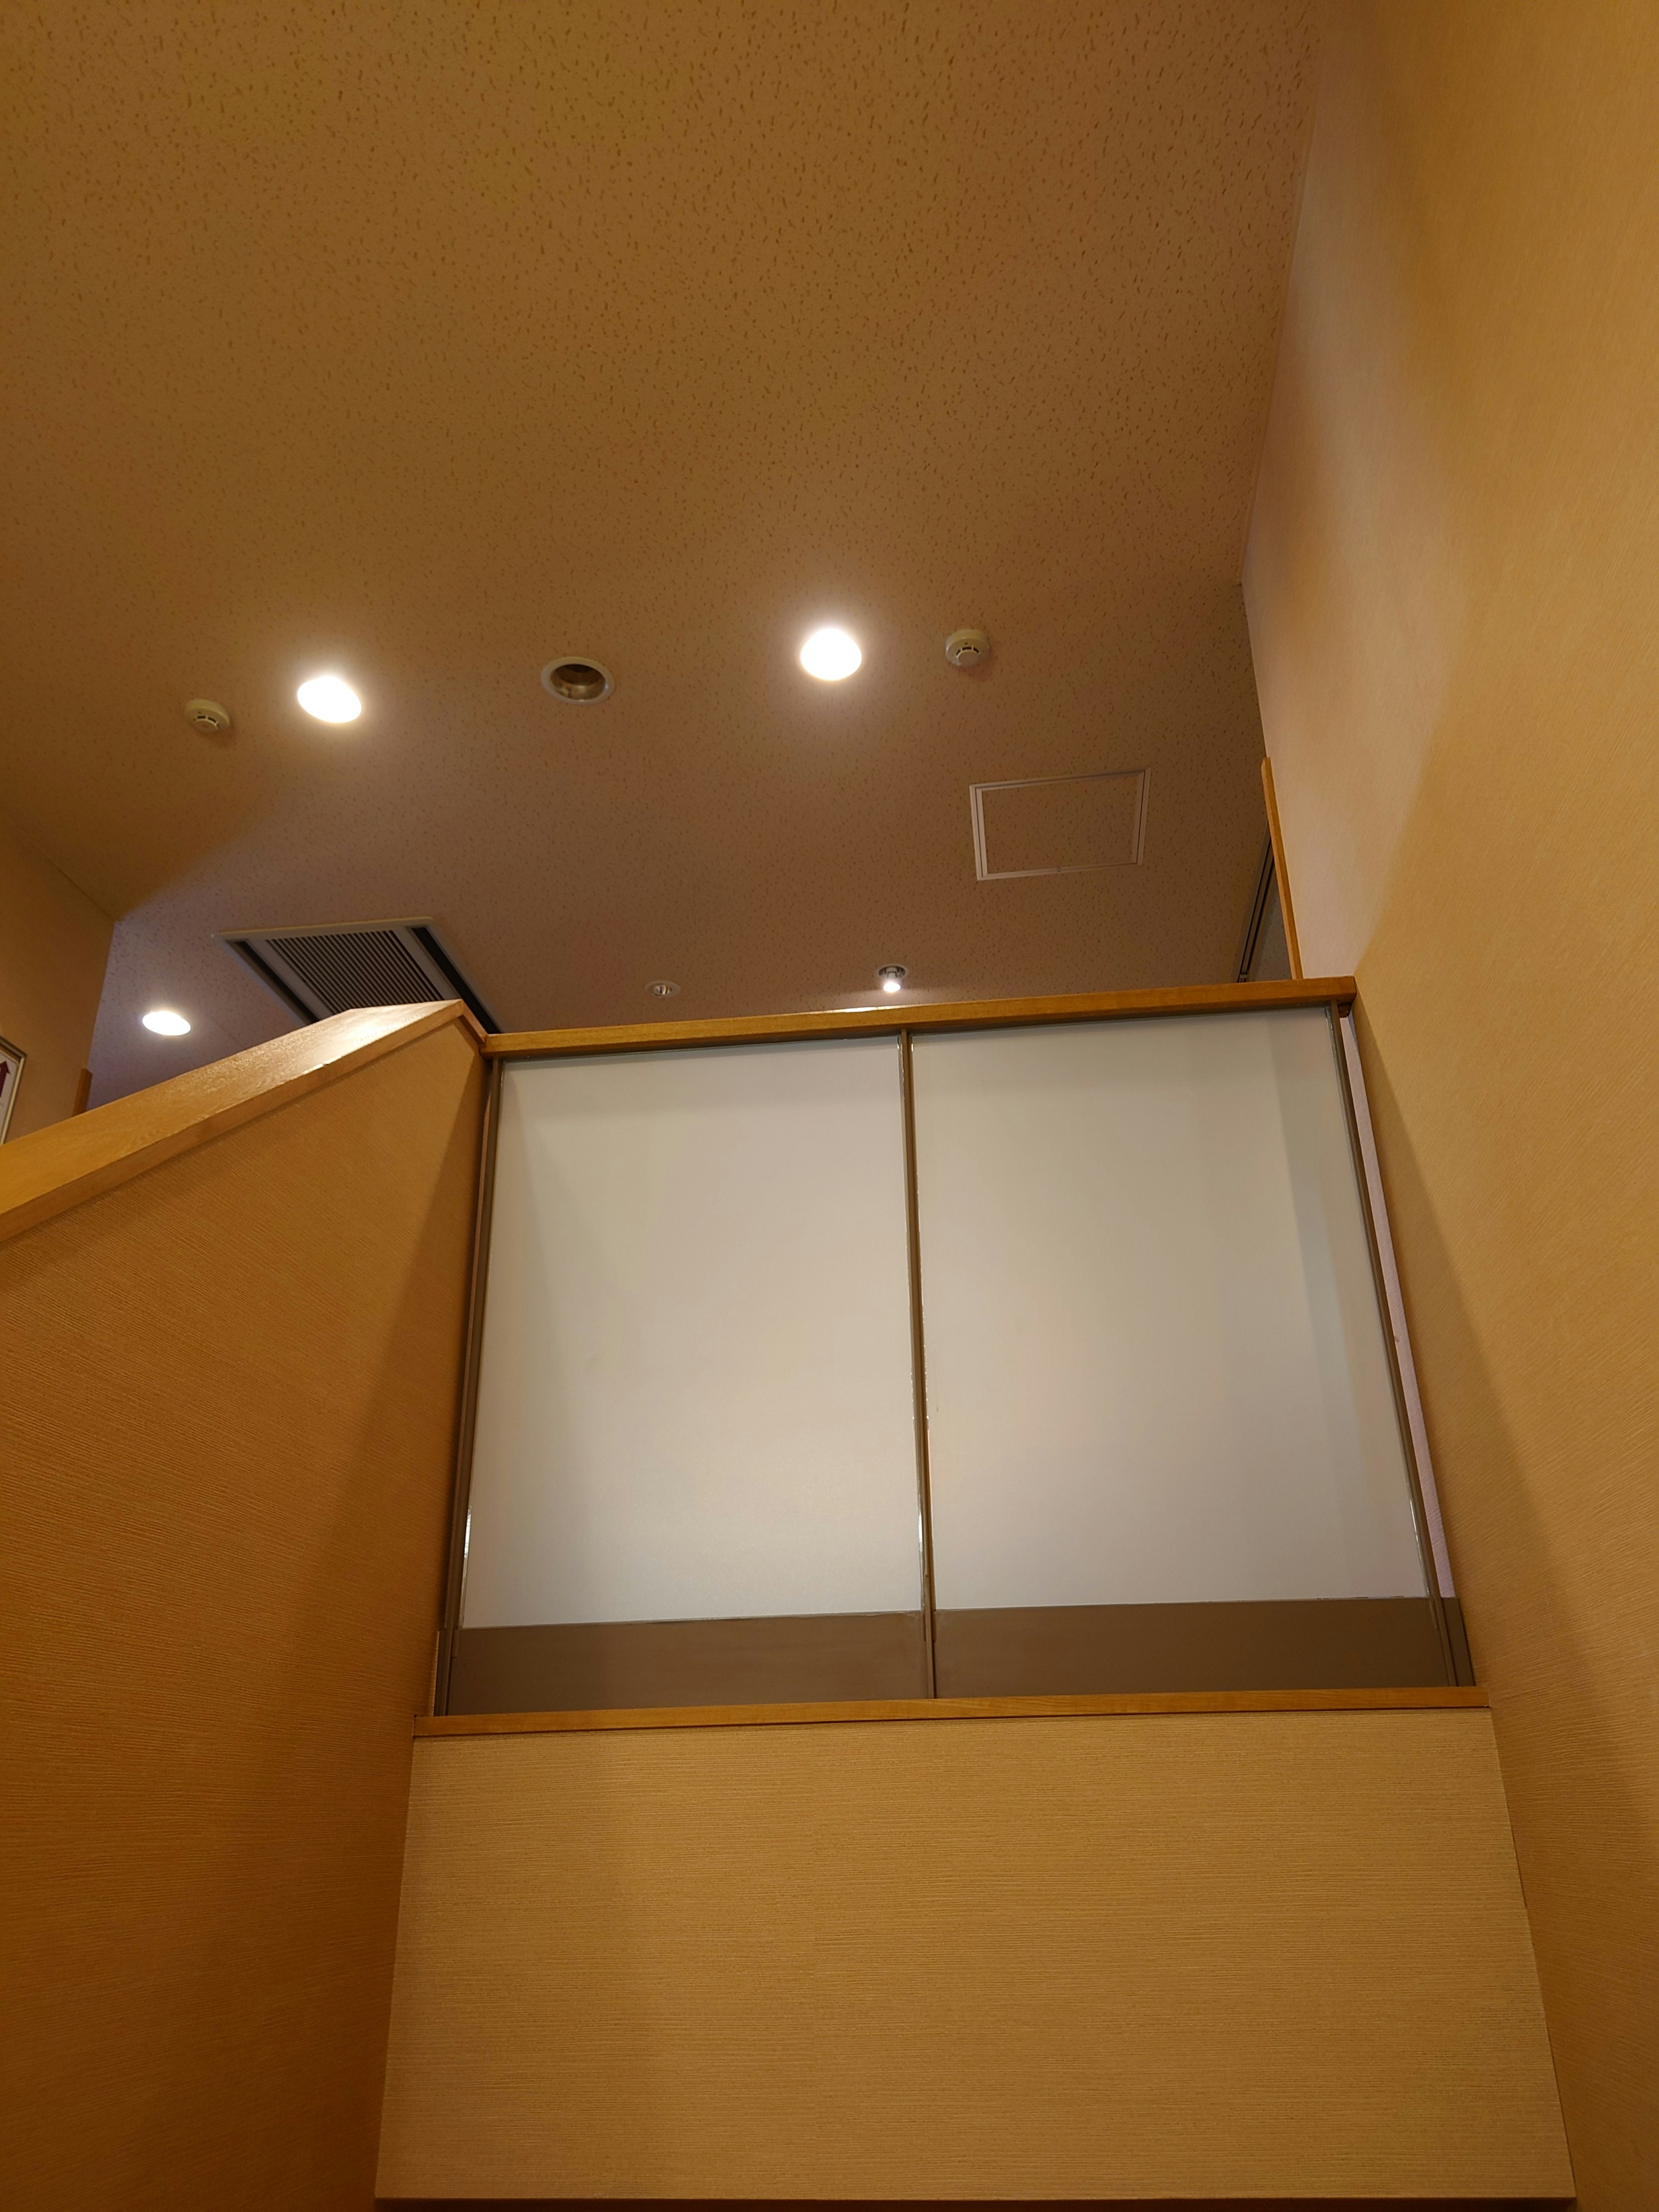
208,715
966,648
576,680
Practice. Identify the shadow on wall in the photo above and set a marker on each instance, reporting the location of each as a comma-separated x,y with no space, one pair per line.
1542,1679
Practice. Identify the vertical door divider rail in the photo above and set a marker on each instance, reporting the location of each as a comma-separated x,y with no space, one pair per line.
918,1355
466,1425
1419,1512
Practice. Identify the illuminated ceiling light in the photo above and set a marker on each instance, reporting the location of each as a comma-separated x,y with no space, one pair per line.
329,698
829,654
891,978
165,1023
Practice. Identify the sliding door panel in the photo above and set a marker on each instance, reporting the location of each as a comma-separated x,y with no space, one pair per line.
1162,1424
694,1474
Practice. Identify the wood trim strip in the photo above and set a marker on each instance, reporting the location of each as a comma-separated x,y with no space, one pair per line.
1281,874
963,1014
958,1709
45,1174
978,2204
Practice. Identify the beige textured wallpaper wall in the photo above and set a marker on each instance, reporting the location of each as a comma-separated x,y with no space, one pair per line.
1453,588
53,944
1198,1956
226,1439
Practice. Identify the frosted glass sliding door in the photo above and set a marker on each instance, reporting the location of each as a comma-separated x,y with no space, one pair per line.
1163,1445
694,1474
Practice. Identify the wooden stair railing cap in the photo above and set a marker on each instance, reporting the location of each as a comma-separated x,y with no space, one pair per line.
973,1013
60,1166
1106,1704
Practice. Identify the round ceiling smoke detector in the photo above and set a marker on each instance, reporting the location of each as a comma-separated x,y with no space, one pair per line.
208,715
576,680
966,648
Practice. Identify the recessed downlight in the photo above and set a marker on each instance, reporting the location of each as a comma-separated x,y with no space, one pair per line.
891,978
577,680
830,654
664,990
329,698
165,1023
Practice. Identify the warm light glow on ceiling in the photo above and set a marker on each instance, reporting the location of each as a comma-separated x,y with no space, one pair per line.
330,699
829,654
165,1023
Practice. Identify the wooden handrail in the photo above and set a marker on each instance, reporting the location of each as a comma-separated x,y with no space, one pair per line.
1122,1703
962,1014
60,1166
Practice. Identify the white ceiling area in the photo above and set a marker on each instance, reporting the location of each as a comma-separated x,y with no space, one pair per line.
422,344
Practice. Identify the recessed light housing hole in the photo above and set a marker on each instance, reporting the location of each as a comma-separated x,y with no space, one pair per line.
577,680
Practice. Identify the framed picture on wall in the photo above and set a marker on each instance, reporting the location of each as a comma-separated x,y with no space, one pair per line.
11,1071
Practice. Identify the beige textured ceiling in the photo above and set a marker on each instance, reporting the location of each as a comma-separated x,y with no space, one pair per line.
427,340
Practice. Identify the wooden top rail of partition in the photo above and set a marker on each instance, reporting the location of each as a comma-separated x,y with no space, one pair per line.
962,1014
56,1168
1125,1703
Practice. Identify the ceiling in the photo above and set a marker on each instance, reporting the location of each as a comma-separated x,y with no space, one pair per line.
426,341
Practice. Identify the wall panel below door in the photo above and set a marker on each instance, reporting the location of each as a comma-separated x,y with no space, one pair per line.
1190,1956
592,1666
1305,1643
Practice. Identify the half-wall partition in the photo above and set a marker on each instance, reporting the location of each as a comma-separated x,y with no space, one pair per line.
1027,1348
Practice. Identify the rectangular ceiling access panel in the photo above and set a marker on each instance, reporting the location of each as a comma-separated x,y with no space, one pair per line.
1059,825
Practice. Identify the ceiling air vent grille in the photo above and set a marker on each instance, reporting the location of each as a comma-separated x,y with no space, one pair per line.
336,966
